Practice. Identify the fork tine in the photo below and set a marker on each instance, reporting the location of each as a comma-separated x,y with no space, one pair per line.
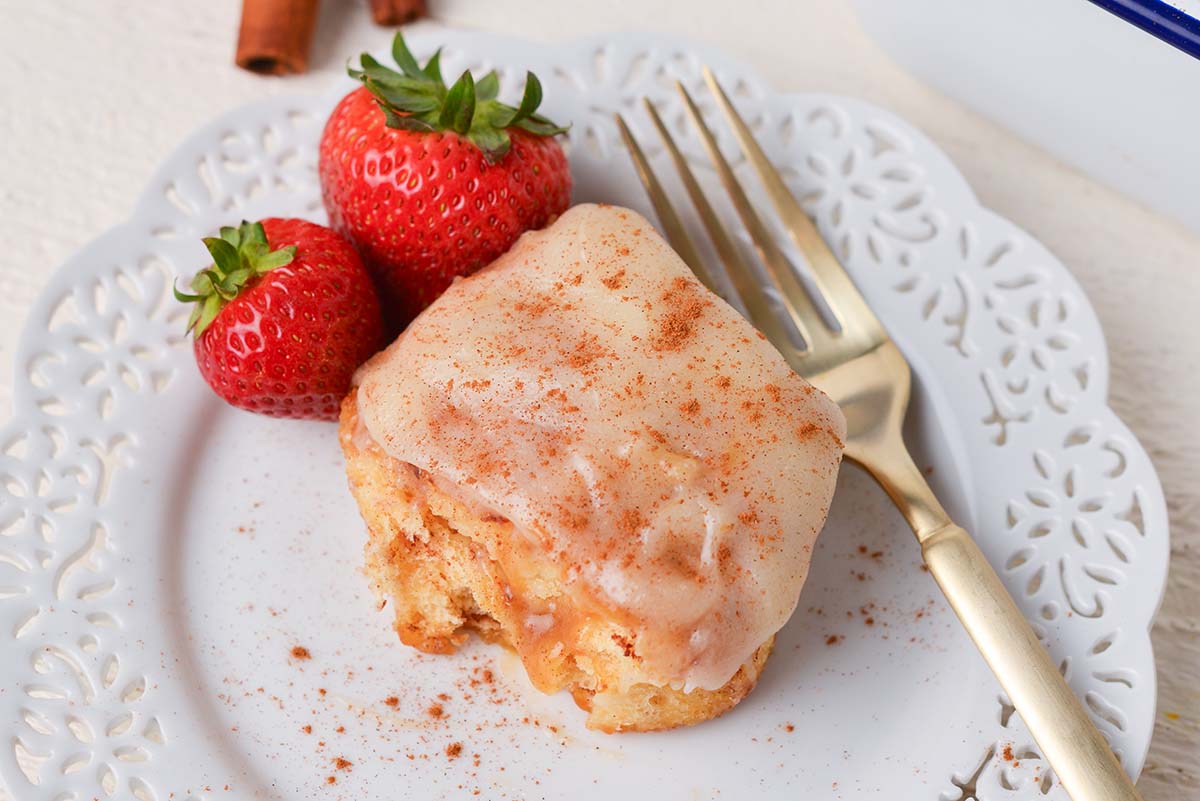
839,291
740,275
796,300
673,227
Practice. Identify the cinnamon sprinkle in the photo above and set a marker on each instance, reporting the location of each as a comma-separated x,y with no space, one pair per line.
614,281
686,307
807,430
624,644
586,351
629,523
300,652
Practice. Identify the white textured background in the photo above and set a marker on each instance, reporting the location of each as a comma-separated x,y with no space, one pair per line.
95,94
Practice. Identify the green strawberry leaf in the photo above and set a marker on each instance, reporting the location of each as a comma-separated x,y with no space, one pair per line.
459,108
240,255
413,101
433,68
202,282
494,142
404,57
208,311
194,317
224,255
540,126
406,123
530,100
416,99
253,233
184,297
277,258
488,87
229,286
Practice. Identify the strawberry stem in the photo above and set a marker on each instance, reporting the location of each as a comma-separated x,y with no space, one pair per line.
240,255
416,99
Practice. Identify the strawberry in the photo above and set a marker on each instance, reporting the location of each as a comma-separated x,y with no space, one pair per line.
430,183
282,318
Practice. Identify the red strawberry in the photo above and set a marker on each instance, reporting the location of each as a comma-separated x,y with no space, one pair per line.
430,183
283,317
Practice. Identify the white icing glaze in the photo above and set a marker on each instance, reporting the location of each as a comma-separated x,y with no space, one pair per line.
635,429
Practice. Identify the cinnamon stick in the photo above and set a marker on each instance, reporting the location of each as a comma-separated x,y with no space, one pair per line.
275,35
396,12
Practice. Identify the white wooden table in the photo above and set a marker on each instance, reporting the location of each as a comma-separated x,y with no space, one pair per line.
95,94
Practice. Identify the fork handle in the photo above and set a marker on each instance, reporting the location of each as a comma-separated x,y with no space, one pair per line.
1070,742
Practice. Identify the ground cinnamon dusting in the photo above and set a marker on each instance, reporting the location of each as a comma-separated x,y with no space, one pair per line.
454,750
534,308
435,711
624,644
392,701
678,325
629,523
586,351
614,281
341,763
300,652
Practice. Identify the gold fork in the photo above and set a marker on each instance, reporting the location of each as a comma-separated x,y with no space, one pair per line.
857,364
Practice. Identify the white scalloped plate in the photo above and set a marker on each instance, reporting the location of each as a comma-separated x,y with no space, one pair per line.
161,554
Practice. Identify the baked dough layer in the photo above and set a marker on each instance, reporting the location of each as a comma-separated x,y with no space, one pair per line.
431,558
